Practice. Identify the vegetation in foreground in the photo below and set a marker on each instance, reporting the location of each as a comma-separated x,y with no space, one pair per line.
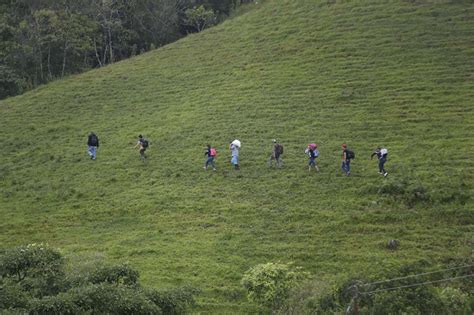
37,279
366,73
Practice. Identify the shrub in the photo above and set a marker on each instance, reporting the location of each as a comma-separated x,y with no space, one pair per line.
173,301
269,284
456,301
117,274
37,268
58,304
106,298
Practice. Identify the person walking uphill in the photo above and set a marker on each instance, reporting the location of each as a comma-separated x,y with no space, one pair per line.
313,153
277,151
211,155
234,149
347,156
93,143
143,145
381,154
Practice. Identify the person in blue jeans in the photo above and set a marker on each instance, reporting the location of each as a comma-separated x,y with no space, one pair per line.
346,160
235,156
93,144
381,154
312,153
211,154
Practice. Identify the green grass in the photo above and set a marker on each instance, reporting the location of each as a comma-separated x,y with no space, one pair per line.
368,73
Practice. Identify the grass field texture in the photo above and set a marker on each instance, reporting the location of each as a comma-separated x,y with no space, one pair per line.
394,73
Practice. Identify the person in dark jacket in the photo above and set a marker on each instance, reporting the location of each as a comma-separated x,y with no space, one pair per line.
211,154
277,151
381,154
93,144
346,160
142,143
312,152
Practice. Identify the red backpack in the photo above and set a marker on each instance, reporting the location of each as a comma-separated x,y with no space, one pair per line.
213,152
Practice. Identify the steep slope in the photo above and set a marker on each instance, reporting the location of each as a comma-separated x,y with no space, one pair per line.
366,73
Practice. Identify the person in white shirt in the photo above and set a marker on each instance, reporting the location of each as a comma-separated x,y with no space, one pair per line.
235,156
381,154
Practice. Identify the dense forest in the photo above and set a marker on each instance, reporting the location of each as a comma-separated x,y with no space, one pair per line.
42,40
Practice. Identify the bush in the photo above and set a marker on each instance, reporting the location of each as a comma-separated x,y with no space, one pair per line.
117,274
269,284
37,268
33,280
456,301
106,298
173,301
59,304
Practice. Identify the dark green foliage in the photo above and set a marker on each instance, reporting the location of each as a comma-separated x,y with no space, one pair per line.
173,301
38,269
44,40
118,274
33,281
409,297
112,299
58,304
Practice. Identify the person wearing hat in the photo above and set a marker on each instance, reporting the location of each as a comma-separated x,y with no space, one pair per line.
234,149
381,154
277,151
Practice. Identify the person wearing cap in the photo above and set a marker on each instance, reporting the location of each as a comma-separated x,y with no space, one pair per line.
346,161
234,149
277,151
381,154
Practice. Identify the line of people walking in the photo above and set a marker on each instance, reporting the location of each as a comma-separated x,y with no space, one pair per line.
210,154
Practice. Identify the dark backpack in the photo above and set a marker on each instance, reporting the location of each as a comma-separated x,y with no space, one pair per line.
93,140
144,143
279,149
350,155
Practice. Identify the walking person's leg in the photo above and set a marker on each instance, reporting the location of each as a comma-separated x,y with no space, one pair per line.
279,162
213,164
382,166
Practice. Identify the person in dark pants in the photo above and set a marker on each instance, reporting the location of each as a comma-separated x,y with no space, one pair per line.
93,144
211,154
143,144
277,151
313,153
347,155
381,154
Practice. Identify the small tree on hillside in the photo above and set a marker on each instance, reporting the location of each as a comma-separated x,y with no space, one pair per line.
199,18
270,284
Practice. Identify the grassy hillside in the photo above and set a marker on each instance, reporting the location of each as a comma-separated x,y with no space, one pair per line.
398,74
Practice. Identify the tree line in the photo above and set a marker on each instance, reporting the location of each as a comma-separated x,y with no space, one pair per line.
42,40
